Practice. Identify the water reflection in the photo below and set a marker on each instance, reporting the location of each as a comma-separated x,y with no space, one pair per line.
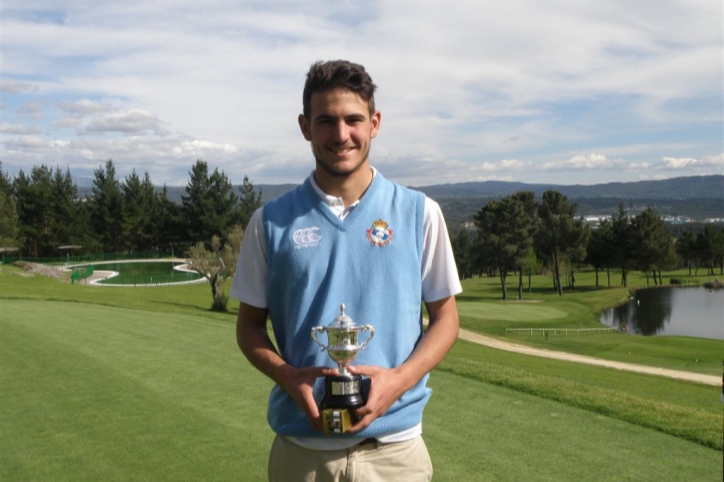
671,311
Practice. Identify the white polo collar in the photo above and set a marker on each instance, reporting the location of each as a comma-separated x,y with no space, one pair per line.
336,204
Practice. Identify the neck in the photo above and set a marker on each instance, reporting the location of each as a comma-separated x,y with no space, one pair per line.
350,187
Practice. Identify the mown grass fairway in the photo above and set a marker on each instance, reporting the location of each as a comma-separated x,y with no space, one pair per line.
100,393
119,384
533,311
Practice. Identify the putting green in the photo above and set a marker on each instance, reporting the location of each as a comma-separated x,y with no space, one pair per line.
509,311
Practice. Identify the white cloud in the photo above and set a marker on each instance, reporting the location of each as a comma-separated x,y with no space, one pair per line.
83,107
19,129
717,160
504,165
678,163
637,166
32,110
25,145
197,147
582,162
131,122
684,163
15,87
67,123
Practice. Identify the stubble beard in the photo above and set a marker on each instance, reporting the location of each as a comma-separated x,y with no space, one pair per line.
340,174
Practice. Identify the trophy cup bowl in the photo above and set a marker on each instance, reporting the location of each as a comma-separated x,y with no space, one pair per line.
343,392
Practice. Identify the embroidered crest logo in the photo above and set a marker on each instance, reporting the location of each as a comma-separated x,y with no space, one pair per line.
380,234
306,238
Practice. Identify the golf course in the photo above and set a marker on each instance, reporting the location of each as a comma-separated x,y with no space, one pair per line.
147,384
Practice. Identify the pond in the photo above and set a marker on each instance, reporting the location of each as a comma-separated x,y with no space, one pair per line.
697,312
135,273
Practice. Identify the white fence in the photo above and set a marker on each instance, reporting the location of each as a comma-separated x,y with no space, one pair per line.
560,331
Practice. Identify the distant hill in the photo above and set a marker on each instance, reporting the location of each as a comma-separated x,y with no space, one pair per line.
697,197
692,187
709,187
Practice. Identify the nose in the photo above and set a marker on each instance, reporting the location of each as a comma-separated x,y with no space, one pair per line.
341,132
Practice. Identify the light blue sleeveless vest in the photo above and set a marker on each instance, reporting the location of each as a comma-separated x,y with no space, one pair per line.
371,262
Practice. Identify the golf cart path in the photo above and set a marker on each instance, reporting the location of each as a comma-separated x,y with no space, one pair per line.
558,355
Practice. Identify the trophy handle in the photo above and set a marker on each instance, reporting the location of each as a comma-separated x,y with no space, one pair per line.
316,330
371,333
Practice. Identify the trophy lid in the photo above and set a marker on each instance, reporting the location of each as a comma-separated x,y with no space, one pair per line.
342,322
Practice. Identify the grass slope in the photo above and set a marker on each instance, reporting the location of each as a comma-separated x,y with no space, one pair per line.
147,384
92,392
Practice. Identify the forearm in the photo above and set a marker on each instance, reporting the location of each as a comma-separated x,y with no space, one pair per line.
256,345
253,338
437,341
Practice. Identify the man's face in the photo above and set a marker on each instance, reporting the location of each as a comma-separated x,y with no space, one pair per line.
340,130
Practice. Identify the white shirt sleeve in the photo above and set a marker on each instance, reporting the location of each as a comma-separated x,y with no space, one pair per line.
250,279
439,272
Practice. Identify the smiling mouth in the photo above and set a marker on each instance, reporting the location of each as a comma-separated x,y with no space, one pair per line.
341,150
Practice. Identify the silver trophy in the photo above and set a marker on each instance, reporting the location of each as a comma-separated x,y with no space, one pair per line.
343,392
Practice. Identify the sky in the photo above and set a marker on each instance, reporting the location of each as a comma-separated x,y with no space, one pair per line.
561,92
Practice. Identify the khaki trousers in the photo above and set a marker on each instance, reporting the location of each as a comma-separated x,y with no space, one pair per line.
370,461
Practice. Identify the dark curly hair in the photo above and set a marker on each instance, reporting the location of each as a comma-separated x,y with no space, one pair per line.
332,74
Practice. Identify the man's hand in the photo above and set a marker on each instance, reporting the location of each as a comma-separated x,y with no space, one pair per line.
386,386
299,384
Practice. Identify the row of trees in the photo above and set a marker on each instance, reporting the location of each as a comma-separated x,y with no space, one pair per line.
41,211
702,250
518,234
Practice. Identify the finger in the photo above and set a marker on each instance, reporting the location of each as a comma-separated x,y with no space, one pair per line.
362,412
361,424
317,372
366,370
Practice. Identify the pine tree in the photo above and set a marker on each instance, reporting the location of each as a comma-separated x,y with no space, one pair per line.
168,226
139,198
560,236
599,250
34,208
106,211
249,201
65,221
653,243
8,213
210,205
624,243
504,228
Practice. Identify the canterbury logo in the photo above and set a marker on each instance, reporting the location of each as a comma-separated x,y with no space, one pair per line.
306,238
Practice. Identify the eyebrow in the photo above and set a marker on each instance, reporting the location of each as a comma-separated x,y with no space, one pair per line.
324,117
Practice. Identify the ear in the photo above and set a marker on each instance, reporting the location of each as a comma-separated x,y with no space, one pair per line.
304,126
375,121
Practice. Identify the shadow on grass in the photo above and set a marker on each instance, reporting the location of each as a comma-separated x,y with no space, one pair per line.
473,294
201,310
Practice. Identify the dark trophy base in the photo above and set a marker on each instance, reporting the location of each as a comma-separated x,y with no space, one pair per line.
343,394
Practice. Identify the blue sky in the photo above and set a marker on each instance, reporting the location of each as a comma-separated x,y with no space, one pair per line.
556,92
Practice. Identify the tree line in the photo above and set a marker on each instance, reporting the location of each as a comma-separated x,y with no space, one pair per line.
517,234
41,212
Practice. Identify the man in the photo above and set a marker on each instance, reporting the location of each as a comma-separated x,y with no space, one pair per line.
346,235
